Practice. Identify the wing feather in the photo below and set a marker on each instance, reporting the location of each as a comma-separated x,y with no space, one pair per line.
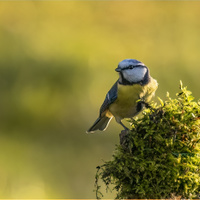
110,98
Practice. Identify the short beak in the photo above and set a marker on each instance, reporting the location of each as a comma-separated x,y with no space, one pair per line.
118,70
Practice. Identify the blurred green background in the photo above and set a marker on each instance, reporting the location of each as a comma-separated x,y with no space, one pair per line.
57,62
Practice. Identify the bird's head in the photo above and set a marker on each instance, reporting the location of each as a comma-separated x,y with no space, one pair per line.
132,71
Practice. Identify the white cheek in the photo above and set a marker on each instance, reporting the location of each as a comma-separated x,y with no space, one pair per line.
135,74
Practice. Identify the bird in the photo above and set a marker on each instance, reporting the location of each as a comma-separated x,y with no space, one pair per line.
128,96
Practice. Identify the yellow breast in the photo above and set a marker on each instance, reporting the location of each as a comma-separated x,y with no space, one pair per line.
125,106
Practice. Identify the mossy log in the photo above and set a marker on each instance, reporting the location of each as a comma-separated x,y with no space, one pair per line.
160,156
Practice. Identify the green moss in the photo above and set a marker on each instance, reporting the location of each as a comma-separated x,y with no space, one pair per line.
160,157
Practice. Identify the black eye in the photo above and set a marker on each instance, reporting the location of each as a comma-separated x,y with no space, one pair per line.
131,67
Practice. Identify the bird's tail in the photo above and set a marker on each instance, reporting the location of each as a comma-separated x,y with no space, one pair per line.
100,124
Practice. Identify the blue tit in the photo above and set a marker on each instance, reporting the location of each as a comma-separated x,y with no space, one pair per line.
128,96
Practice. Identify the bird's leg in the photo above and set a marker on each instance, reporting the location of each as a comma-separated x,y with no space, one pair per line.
142,103
147,105
132,118
123,133
125,128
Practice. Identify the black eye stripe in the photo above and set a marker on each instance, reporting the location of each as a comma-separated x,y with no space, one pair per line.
131,67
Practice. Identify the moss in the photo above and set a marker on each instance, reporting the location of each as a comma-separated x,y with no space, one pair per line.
160,157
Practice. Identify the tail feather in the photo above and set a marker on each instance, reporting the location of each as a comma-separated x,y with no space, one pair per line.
100,124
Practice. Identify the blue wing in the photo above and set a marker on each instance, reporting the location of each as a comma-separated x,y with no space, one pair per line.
110,98
102,121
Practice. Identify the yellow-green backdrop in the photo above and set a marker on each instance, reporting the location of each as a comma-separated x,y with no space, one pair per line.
57,61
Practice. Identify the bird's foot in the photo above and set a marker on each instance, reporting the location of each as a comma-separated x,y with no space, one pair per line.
145,104
123,135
